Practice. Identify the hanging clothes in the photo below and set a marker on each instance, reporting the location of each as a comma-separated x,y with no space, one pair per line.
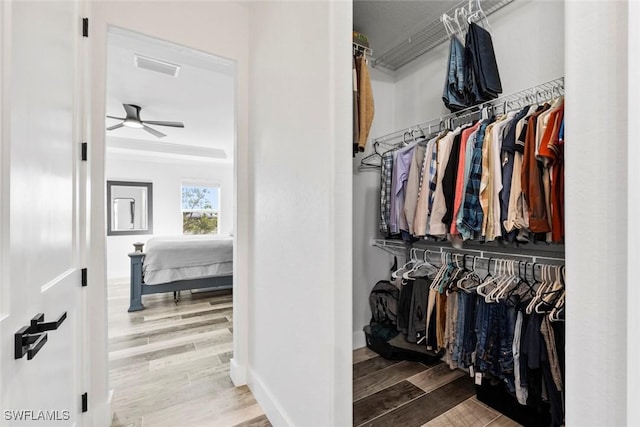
453,95
483,79
482,181
365,105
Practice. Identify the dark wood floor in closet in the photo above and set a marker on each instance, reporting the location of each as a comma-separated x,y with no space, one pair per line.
411,394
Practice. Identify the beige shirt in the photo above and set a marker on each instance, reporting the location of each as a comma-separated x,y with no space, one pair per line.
421,217
439,209
518,214
413,186
485,194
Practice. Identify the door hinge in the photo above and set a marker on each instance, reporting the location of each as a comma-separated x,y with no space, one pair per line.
84,151
84,277
85,27
85,402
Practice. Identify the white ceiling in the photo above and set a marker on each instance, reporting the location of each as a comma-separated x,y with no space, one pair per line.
388,22
201,96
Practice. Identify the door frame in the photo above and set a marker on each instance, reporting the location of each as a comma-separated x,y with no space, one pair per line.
102,16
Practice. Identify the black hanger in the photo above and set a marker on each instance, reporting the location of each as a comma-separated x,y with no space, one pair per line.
368,162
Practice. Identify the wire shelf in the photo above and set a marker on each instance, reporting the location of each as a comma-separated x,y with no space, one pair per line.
426,38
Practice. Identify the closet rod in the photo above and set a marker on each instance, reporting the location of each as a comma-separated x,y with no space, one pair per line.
535,94
486,255
397,247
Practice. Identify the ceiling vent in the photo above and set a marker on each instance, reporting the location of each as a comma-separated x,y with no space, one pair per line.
156,65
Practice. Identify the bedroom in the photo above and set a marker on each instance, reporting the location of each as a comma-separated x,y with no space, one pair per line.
173,185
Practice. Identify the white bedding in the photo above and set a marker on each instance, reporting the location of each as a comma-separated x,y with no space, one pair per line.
168,259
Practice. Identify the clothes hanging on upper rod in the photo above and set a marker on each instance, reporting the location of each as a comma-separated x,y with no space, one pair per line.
472,70
498,178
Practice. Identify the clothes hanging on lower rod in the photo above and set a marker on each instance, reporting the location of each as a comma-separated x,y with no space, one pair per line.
497,178
503,329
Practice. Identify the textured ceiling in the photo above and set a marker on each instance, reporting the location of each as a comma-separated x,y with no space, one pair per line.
201,96
387,23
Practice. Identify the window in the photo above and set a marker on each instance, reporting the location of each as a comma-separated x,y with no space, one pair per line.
200,209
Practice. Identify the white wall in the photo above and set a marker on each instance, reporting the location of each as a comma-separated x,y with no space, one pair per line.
300,134
414,95
370,264
597,196
167,177
528,39
220,28
633,242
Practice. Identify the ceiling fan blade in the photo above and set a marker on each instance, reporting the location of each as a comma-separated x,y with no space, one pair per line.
118,126
162,123
153,131
133,111
114,117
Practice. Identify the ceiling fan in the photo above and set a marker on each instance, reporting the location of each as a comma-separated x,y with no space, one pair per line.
132,120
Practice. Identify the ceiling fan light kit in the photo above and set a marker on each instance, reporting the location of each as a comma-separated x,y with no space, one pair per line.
132,120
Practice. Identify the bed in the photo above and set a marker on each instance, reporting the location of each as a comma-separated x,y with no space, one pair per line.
174,264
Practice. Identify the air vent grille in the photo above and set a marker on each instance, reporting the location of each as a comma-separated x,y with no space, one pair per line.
156,65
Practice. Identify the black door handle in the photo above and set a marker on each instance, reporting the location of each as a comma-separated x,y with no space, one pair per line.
30,339
38,324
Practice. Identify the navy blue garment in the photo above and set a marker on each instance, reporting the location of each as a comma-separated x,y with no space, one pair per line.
449,181
483,78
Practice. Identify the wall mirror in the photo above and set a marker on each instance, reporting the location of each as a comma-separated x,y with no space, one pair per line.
129,208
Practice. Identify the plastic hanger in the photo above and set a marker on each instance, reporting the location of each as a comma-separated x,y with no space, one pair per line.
435,284
472,276
544,285
460,11
509,279
411,261
551,294
415,272
488,280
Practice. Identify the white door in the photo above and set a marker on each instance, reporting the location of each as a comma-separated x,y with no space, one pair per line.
40,210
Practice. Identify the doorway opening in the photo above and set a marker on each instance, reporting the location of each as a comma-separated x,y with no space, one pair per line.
170,137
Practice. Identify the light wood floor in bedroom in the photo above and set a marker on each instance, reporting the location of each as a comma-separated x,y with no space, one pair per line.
169,365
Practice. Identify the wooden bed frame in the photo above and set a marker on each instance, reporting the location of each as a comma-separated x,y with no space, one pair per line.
139,288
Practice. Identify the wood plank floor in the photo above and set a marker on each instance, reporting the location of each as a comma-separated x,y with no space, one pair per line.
410,394
169,364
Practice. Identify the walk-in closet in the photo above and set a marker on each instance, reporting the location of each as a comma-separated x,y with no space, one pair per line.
459,213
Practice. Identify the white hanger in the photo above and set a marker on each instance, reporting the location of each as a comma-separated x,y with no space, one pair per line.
544,285
439,276
508,279
468,275
407,274
411,261
463,14
446,20
481,288
554,287
516,280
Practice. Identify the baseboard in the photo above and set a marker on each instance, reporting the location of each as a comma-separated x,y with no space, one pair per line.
272,408
103,414
237,373
359,340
